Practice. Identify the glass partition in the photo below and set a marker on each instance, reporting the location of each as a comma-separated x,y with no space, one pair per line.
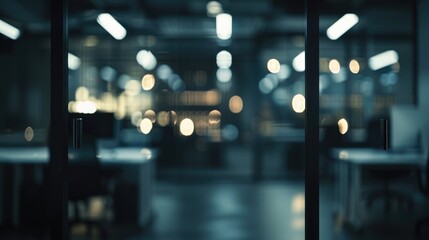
192,113
370,145
24,123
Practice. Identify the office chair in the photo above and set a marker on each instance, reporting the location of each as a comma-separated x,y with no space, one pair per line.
374,139
387,193
423,183
87,180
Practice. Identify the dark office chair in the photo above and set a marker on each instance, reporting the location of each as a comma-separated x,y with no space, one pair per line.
387,176
86,180
423,183
387,193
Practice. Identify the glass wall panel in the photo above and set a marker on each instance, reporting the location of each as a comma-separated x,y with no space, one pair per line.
193,118
25,117
371,144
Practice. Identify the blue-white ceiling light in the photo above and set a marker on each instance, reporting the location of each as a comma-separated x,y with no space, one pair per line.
342,25
73,62
9,30
146,59
112,26
383,59
224,26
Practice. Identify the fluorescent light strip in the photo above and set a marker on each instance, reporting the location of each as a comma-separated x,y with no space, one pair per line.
224,26
342,25
383,59
112,26
9,30
73,62
298,62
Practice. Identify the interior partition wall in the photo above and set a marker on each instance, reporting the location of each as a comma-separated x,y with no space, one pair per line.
367,77
57,130
211,105
25,56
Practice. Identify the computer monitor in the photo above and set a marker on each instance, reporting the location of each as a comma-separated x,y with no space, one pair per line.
404,127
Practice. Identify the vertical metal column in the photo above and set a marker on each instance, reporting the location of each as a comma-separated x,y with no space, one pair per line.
312,121
58,126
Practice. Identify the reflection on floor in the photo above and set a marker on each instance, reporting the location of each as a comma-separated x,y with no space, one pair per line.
228,211
266,210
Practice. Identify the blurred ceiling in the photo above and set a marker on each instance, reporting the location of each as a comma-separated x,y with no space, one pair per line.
183,30
188,18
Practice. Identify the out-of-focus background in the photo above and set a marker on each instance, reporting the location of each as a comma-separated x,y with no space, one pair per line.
193,119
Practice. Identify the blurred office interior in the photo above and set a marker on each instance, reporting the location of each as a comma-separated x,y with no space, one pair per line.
186,119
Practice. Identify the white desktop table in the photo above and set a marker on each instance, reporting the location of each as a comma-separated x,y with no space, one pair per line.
118,156
351,164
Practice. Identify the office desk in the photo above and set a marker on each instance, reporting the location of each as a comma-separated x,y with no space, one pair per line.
351,164
140,159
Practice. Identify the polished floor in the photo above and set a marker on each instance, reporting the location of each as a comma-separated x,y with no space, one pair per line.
228,211
245,210
271,210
